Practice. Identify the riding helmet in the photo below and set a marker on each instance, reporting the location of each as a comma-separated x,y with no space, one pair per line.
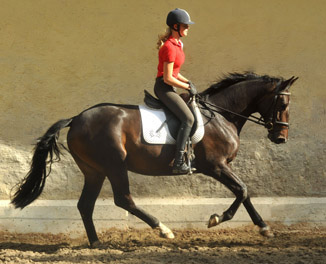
178,16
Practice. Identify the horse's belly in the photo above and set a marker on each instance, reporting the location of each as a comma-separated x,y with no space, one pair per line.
150,159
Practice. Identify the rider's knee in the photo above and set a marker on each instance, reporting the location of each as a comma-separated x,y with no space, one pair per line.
190,120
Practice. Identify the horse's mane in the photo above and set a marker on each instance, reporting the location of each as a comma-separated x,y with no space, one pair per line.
233,78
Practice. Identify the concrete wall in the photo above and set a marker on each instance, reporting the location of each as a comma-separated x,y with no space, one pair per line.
60,57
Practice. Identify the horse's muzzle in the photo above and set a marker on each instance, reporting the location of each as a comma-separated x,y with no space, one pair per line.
280,140
277,139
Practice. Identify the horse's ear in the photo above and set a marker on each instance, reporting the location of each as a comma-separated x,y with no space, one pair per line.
286,84
293,80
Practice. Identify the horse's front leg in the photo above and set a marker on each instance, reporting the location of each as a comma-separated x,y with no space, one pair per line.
226,176
265,230
234,184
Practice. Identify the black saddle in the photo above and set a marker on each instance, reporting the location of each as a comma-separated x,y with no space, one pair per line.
172,121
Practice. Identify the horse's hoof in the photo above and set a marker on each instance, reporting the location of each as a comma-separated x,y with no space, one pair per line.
165,232
266,232
214,221
168,235
96,244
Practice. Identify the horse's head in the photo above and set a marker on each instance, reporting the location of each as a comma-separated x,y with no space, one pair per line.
274,108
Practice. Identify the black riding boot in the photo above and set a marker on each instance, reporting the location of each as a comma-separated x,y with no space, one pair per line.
179,165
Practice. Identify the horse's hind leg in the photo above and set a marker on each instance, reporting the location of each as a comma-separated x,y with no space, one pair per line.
92,187
123,199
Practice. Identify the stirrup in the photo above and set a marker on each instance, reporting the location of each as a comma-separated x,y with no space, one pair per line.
180,168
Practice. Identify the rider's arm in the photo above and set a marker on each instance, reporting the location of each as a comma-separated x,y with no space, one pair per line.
182,78
170,80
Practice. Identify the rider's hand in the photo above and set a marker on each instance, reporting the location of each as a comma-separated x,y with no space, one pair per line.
192,90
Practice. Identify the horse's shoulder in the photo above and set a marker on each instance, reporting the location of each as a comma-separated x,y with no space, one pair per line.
225,131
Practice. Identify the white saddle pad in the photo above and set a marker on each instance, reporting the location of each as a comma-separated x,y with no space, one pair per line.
155,132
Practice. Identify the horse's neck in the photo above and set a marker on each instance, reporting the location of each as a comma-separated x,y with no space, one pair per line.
240,98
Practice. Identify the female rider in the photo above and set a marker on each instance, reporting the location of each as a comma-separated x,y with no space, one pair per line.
171,57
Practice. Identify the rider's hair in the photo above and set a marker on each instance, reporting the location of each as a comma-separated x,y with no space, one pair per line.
163,37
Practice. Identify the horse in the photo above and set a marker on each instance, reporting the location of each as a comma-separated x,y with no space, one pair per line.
106,141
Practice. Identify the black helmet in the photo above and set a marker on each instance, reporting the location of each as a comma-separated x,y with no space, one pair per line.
178,16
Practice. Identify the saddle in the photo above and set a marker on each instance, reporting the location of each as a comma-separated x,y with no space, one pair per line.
164,124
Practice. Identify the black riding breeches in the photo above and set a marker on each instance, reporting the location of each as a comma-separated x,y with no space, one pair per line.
173,101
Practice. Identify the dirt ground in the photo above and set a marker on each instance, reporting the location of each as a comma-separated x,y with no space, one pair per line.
297,244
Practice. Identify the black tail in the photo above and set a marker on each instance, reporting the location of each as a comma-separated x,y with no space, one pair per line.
32,185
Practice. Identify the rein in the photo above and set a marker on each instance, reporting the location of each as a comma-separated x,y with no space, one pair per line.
252,118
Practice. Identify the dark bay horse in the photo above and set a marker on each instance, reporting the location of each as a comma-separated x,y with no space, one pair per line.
106,141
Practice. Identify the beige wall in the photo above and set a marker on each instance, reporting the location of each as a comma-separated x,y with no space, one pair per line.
60,57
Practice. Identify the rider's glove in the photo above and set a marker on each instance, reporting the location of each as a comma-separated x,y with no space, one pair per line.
192,90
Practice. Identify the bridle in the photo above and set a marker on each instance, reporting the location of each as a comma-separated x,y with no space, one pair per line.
272,120
268,123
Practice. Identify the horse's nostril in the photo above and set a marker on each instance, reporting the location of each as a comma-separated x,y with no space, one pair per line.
280,140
